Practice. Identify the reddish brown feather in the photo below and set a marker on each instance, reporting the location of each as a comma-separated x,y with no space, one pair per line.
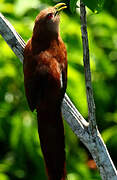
45,62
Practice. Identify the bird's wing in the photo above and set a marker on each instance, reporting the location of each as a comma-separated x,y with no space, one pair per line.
45,79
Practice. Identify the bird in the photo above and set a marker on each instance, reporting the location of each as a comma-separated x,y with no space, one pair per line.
45,83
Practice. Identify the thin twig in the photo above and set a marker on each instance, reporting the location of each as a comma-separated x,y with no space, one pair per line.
90,99
86,60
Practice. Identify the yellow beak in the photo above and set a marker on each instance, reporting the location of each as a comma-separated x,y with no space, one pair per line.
60,6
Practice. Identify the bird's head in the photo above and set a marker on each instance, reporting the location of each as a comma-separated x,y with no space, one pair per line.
48,19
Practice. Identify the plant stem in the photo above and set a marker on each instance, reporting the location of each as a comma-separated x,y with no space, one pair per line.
86,61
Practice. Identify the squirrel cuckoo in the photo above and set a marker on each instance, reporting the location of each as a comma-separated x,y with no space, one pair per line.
45,81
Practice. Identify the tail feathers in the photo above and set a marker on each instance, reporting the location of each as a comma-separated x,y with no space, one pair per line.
51,133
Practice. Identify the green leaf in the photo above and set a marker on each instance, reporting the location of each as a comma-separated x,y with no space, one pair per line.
95,5
73,5
3,176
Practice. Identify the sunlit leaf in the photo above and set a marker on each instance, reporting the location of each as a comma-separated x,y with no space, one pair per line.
22,6
4,177
7,7
107,134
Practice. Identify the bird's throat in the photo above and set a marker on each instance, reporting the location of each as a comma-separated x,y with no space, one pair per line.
42,41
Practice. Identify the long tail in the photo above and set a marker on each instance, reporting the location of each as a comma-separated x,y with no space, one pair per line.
51,133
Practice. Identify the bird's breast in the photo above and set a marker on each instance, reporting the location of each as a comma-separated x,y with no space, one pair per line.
51,70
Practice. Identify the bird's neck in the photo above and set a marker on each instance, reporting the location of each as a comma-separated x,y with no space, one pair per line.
43,40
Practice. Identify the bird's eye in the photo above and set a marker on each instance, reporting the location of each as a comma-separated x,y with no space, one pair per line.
50,15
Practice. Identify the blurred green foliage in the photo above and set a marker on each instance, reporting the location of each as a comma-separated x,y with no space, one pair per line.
95,5
20,153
